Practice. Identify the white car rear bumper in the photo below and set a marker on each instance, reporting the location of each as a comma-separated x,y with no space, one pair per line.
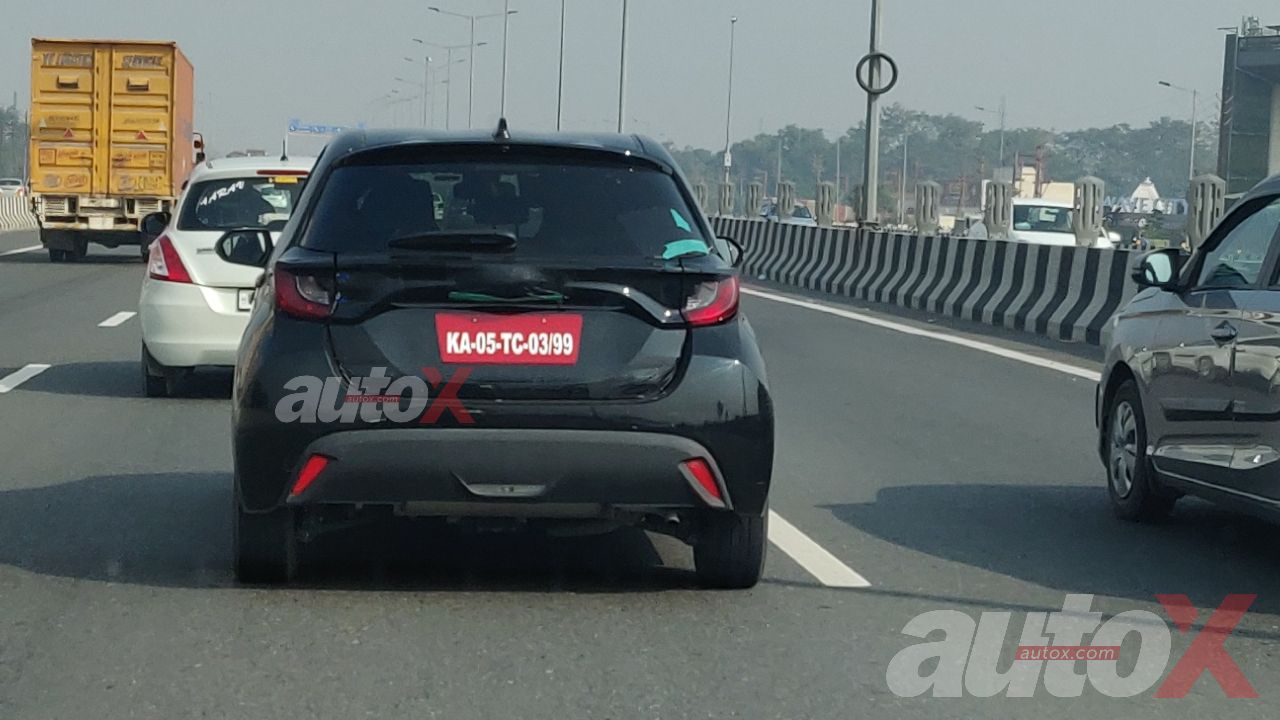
184,325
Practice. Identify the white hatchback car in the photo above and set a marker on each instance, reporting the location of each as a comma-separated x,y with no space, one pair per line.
195,306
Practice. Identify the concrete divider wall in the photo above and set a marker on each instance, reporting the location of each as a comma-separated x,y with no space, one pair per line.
15,214
1066,293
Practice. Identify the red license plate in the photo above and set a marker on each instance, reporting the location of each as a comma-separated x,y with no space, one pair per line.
524,339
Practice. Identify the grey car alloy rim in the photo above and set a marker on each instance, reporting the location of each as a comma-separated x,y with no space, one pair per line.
1124,449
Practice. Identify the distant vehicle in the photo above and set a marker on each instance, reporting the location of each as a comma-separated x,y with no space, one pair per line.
1190,392
800,214
613,377
12,186
1044,222
111,139
194,306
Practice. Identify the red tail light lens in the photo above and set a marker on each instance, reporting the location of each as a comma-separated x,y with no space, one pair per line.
712,302
303,296
703,481
310,471
164,263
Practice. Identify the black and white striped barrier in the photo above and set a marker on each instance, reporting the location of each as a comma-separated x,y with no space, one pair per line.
15,214
1066,293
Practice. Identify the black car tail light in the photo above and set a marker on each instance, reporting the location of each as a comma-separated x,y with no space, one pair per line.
712,302
303,296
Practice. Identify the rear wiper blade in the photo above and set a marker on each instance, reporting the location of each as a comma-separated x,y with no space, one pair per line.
457,240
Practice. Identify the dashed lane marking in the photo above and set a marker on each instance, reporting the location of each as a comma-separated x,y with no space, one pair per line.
23,374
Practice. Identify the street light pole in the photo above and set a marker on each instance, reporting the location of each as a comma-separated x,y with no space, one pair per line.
560,82
871,174
471,53
506,21
1195,96
728,110
622,72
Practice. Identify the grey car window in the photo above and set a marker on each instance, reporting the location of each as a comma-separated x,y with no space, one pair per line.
1237,260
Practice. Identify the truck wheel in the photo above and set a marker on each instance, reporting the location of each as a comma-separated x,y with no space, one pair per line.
79,250
729,552
57,256
266,546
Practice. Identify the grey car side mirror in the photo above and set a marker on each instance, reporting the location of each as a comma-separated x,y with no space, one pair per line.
735,251
1158,268
249,247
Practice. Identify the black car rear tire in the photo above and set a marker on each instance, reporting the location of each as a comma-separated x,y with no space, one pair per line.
1135,493
155,377
266,546
729,552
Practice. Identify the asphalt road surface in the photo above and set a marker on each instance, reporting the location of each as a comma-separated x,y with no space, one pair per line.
945,477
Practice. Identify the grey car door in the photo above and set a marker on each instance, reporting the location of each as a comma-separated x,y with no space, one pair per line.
1255,377
1194,433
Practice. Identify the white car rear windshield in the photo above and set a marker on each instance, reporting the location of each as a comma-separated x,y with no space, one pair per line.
230,203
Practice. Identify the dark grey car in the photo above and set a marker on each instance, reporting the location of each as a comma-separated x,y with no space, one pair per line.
1190,393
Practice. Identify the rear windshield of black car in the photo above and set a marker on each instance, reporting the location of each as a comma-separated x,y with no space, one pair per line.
556,207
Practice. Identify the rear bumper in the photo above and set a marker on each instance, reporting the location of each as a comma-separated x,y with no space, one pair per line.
185,325
452,470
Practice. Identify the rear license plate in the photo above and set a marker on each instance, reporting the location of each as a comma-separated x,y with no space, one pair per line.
244,299
101,222
524,339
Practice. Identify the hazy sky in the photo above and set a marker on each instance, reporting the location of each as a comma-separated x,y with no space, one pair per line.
1062,63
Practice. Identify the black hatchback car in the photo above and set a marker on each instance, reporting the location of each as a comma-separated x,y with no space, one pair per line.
1190,393
504,329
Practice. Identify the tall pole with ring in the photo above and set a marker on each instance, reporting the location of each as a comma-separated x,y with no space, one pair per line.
871,64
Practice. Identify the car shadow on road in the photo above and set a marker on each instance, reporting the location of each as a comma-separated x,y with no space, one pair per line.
41,257
174,530
123,379
1065,537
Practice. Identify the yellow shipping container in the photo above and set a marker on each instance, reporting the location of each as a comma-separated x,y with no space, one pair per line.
111,137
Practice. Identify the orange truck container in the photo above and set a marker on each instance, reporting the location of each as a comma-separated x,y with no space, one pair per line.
111,139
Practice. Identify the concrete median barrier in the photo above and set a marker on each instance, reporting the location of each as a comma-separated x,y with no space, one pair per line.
15,214
1065,293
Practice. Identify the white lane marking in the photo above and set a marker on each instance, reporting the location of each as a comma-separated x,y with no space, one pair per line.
821,564
119,318
29,248
978,345
17,377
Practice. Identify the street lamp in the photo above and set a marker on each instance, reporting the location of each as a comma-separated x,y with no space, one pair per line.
560,81
728,110
471,73
1001,114
1194,96
448,72
425,85
622,71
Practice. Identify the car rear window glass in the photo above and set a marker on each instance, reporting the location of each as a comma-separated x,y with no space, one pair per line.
229,203
1041,218
561,207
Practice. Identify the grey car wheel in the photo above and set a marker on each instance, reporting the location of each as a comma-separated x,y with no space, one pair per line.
1135,492
1123,448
